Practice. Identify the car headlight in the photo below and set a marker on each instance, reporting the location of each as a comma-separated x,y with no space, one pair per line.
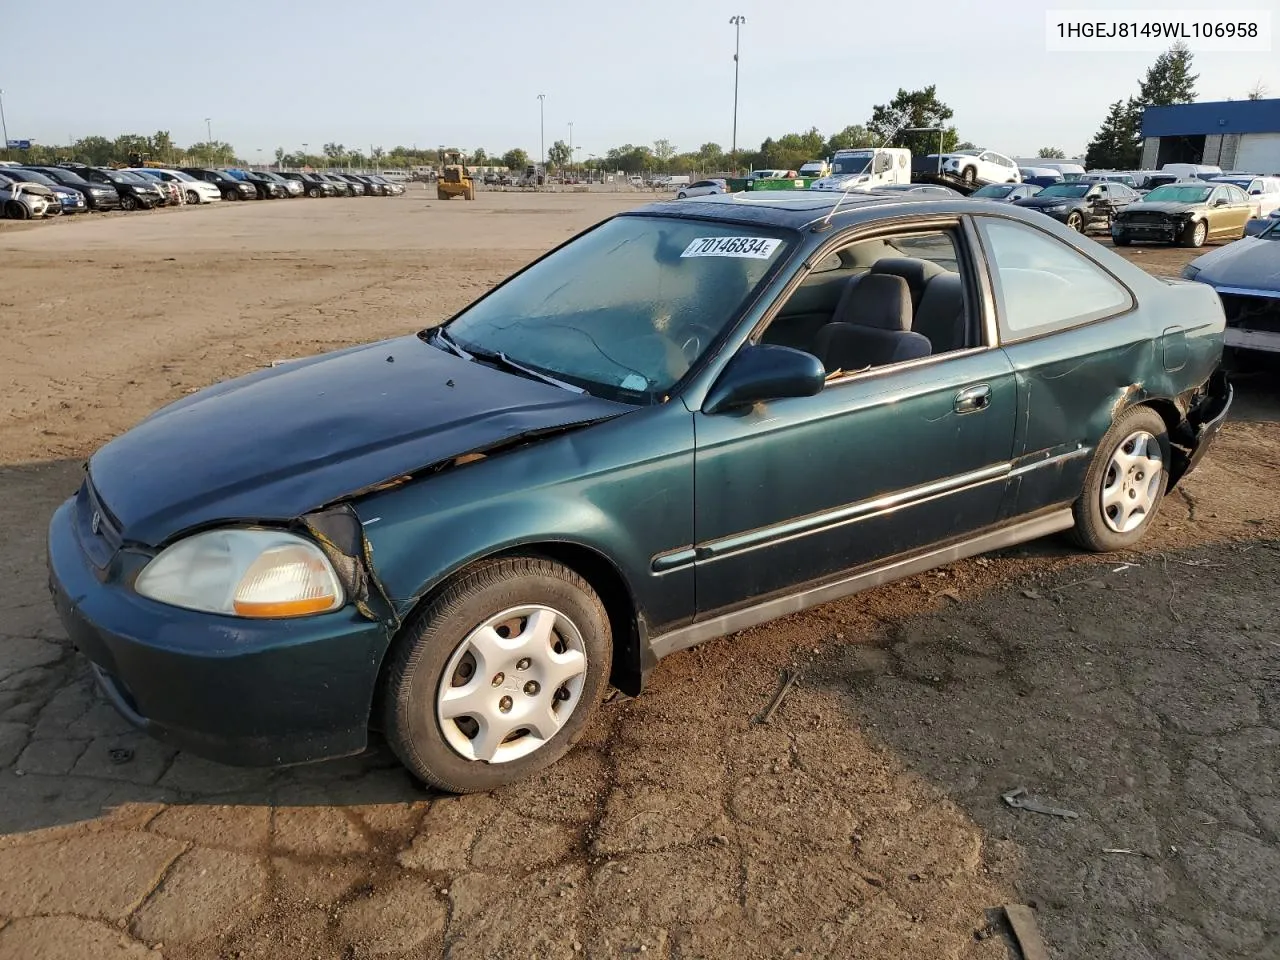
244,573
1190,272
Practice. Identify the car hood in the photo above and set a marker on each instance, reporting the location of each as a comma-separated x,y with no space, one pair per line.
1047,201
1163,206
278,443
1250,264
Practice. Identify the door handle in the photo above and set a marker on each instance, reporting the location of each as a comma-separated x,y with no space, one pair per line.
973,399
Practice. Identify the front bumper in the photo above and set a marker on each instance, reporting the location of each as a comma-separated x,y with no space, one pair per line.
1164,231
245,692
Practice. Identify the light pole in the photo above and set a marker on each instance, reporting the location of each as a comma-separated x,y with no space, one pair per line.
571,147
208,129
542,131
4,126
737,22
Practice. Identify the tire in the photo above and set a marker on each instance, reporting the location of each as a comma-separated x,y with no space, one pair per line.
1075,222
969,175
1121,494
436,648
230,195
1120,240
129,202
17,210
681,195
471,193
1195,234
193,197
313,192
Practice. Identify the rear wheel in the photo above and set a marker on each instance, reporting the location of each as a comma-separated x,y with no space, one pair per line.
1125,483
1195,234
1075,222
969,175
498,676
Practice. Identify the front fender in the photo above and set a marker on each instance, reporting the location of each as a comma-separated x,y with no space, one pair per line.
622,490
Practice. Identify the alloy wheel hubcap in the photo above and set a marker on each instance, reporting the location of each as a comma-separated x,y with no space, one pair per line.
511,684
1132,482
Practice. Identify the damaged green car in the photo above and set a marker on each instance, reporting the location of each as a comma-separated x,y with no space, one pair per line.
690,419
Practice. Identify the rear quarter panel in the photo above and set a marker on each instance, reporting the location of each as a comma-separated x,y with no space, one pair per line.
1075,383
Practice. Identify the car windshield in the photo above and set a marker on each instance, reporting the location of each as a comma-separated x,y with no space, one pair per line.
121,176
854,163
31,176
625,310
1065,190
67,176
179,175
1241,182
994,190
1178,193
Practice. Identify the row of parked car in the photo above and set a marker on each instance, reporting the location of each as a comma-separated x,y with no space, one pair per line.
1187,211
46,191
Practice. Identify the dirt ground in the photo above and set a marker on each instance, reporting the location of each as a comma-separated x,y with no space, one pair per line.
1141,692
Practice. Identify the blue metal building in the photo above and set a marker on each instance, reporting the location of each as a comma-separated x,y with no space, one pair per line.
1232,134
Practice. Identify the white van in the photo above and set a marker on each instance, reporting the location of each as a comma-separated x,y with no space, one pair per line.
1068,169
673,183
815,169
1197,171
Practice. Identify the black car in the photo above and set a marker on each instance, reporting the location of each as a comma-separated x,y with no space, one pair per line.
362,185
1082,205
292,188
313,183
231,188
1008,192
135,192
97,195
267,188
372,186
344,188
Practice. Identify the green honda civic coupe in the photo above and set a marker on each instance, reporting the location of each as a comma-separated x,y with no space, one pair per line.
692,418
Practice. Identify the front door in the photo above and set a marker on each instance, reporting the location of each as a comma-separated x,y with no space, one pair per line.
883,461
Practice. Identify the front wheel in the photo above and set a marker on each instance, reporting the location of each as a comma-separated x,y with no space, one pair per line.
193,197
1125,483
497,676
1120,240
681,195
128,202
1195,235
1075,222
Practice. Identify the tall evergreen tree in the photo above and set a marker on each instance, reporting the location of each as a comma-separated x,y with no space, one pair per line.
1169,80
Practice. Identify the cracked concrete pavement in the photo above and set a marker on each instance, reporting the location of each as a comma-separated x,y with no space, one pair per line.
1141,691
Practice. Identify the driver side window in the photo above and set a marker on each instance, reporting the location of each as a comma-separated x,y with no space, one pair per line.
880,301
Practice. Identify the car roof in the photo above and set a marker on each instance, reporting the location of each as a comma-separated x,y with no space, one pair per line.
797,209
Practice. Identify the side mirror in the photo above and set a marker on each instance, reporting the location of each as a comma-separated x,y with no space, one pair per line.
1221,202
1256,192
765,372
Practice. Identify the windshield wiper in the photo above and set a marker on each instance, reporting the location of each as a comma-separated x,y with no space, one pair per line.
544,377
498,358
448,342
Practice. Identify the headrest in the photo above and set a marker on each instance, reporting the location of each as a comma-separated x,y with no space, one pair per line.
915,271
878,300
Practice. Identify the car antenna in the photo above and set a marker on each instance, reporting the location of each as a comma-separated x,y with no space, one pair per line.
826,221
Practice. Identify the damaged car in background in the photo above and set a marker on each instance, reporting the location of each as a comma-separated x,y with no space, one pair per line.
461,537
1246,275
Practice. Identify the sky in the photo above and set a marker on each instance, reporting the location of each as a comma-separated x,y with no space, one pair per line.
428,72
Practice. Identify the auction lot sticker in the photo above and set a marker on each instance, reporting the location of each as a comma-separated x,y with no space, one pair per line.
751,248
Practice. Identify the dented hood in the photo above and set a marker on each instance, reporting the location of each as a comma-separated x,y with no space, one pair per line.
281,442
